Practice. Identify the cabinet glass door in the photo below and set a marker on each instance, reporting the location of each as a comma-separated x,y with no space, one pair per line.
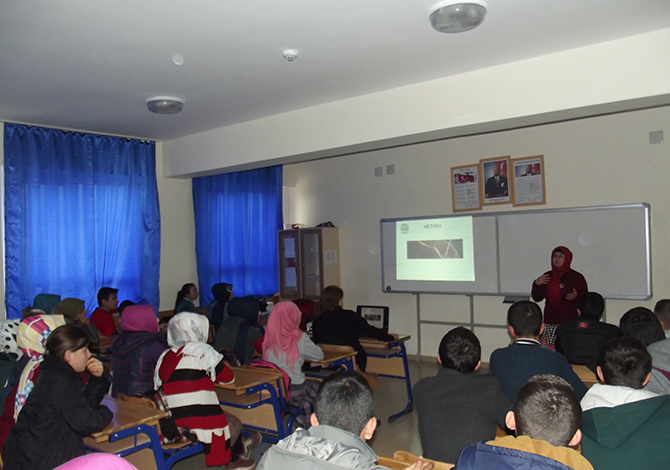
311,263
289,267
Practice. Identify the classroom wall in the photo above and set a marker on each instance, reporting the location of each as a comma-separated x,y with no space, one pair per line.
575,83
178,265
589,162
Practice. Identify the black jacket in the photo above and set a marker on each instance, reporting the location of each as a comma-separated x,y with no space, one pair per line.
344,327
59,413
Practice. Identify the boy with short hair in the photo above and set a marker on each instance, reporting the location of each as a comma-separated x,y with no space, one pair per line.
546,417
581,340
625,426
642,323
343,420
458,408
103,316
524,358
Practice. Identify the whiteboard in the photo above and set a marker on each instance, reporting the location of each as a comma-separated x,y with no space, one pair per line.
611,247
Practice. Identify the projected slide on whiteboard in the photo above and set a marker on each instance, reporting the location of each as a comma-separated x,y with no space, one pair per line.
443,254
435,250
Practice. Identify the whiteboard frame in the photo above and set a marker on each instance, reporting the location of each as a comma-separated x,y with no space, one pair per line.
495,216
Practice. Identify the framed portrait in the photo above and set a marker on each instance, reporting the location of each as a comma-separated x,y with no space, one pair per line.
496,176
465,188
529,181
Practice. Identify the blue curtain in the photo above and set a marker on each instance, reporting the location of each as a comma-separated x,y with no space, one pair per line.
237,216
81,212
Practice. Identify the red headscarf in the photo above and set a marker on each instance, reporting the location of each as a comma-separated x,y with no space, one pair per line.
554,286
282,332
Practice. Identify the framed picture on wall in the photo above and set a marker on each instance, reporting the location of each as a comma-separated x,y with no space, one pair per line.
529,181
496,177
465,188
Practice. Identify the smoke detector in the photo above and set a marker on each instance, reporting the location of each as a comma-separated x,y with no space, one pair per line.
289,54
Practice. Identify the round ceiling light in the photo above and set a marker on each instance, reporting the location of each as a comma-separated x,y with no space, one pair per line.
457,17
165,105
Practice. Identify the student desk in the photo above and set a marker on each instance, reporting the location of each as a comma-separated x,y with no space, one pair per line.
335,356
585,374
133,435
126,416
389,359
257,398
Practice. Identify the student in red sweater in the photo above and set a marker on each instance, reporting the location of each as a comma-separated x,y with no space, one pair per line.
103,316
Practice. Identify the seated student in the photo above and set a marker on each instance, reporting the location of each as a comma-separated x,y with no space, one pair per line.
338,326
546,418
641,323
217,311
524,358
662,312
103,316
185,298
61,410
287,347
187,372
581,340
136,351
342,422
45,302
623,425
31,338
455,397
239,333
74,312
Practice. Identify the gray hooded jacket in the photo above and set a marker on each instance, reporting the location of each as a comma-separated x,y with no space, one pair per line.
323,447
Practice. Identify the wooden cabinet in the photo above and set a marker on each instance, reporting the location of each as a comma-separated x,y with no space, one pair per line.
308,262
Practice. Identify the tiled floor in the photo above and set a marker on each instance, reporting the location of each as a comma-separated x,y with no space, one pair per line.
390,398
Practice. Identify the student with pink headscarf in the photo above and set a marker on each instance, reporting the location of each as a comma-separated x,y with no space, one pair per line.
136,351
287,347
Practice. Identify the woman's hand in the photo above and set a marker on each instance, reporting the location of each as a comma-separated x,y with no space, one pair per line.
572,295
94,366
544,279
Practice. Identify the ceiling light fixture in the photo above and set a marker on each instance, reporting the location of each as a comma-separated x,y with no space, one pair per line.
165,105
457,17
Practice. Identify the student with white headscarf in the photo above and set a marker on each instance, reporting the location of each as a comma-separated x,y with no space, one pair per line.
187,372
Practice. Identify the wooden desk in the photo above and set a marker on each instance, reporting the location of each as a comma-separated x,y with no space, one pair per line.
334,356
133,435
126,416
257,398
585,375
248,377
389,359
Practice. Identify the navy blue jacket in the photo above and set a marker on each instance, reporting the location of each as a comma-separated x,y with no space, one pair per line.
524,359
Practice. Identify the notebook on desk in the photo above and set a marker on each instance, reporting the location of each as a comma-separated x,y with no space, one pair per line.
375,315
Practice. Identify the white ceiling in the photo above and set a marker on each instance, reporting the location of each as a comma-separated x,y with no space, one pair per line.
91,65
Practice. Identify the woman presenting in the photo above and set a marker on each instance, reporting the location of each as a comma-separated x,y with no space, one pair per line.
561,288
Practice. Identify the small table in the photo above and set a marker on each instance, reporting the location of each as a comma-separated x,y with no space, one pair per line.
263,412
249,377
133,435
126,416
389,359
334,356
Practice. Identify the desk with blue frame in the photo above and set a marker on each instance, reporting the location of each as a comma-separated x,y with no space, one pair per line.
257,398
389,359
133,434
